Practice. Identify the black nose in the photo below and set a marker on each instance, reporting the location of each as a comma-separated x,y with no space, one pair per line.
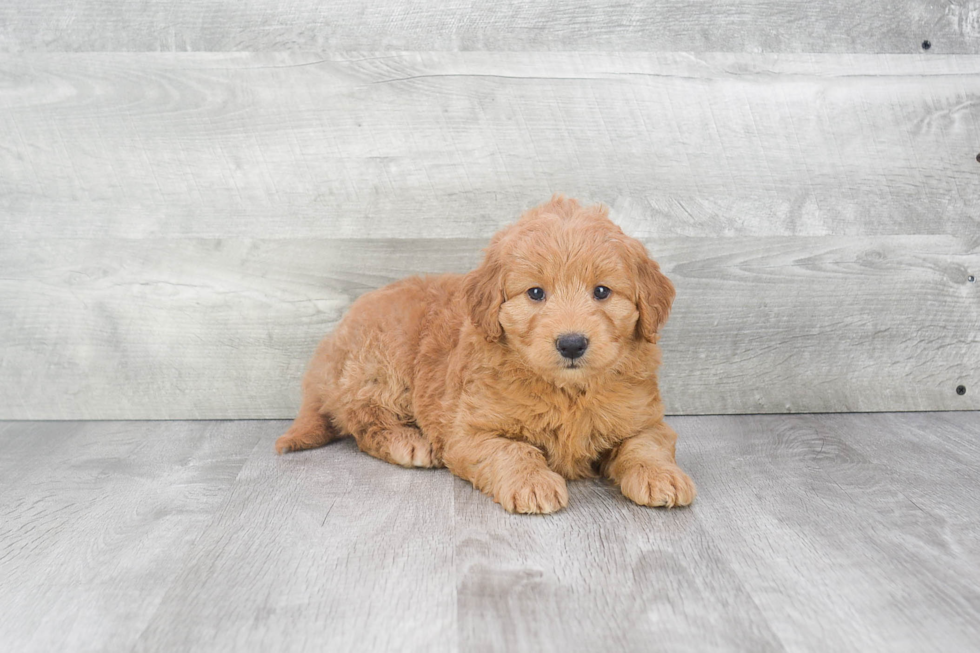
572,345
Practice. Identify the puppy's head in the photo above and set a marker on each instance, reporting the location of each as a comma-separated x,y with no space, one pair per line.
568,291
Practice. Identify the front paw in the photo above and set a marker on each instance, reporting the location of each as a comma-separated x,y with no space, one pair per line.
664,486
542,491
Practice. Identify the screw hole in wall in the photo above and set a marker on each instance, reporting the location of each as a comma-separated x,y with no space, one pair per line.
961,389
971,278
978,158
926,45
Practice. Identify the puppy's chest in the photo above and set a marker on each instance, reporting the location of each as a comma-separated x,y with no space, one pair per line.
575,433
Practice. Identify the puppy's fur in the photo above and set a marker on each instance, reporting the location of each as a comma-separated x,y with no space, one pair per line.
463,370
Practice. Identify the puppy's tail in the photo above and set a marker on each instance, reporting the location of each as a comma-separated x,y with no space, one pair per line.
309,430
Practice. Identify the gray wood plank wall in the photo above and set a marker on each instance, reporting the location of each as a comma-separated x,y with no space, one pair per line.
180,228
562,25
178,328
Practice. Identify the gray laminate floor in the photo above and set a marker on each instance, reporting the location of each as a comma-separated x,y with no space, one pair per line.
813,532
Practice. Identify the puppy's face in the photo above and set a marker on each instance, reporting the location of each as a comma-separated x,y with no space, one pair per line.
568,291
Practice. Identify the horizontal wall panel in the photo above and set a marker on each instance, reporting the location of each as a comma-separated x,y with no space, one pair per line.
559,25
163,328
453,145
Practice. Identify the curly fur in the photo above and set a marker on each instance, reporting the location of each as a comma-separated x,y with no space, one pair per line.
463,371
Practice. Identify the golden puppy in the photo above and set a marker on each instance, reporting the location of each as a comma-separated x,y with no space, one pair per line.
538,366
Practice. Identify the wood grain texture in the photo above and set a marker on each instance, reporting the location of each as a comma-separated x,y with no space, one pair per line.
205,328
711,26
810,533
96,521
329,549
457,144
601,575
839,549
909,446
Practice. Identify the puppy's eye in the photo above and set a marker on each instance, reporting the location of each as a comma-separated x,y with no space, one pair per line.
536,294
601,292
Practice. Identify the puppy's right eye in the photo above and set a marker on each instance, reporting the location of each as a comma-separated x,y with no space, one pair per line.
536,294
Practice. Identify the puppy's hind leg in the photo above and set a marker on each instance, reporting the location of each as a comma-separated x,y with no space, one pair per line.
309,430
380,433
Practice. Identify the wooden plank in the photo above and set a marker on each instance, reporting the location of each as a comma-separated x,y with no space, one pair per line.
96,520
200,328
790,325
810,533
712,26
324,550
457,144
837,550
22,454
602,574
902,443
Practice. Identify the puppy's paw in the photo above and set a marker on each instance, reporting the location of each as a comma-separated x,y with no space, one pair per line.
409,448
541,491
665,486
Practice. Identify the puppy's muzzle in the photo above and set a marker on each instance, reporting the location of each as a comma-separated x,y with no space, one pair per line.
572,345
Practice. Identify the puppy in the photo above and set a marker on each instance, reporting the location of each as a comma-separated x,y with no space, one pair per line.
537,367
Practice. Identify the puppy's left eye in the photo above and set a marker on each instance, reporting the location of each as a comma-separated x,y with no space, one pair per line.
601,292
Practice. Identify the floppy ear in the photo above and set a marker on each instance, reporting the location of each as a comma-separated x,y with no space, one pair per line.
655,294
484,293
